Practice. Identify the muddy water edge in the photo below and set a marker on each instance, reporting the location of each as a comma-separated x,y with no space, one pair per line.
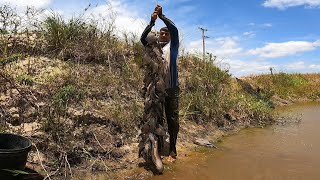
287,150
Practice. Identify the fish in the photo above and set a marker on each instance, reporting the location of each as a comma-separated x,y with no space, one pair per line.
154,84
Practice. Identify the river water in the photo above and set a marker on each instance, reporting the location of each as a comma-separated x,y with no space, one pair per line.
286,152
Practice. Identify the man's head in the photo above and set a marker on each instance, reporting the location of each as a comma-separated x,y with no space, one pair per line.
164,35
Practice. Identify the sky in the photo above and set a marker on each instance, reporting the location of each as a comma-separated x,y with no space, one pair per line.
248,37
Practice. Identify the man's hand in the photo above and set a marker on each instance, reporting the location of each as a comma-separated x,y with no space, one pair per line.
158,9
154,16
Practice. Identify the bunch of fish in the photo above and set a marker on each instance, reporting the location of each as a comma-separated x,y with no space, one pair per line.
154,89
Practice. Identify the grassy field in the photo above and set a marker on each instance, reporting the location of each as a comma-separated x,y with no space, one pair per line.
293,87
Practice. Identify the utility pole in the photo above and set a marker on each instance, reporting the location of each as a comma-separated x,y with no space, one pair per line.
203,43
271,70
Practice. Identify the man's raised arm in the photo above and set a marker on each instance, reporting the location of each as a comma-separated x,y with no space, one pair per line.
148,28
171,27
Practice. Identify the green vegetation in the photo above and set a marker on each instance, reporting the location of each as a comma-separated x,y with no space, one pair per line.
9,59
288,86
203,90
77,39
2,128
209,94
15,172
25,80
66,94
314,95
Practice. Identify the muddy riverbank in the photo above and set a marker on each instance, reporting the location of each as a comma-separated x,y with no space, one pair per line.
282,151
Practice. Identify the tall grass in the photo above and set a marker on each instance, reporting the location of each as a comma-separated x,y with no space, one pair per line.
76,39
292,86
209,93
79,38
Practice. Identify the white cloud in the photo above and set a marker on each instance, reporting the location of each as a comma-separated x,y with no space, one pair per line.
231,56
25,3
224,47
283,4
249,34
266,25
300,65
252,67
126,20
314,66
248,67
273,50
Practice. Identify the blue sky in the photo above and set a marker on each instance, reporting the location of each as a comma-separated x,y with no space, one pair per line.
248,36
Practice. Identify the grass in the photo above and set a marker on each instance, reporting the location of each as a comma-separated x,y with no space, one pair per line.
199,92
80,38
209,93
289,86
74,39
2,128
9,59
25,80
66,94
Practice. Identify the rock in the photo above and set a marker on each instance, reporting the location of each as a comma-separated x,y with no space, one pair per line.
31,127
31,112
13,111
37,157
204,142
14,92
3,98
27,129
126,148
280,102
41,104
230,117
75,112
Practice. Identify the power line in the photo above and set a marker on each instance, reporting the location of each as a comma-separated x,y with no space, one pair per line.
203,42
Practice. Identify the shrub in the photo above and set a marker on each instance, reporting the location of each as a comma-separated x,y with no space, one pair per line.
314,95
9,59
25,80
66,94
3,128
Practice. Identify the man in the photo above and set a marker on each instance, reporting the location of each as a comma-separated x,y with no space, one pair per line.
169,40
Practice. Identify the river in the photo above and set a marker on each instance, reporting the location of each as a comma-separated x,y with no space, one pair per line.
286,151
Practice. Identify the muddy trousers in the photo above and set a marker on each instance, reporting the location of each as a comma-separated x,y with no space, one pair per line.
171,107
